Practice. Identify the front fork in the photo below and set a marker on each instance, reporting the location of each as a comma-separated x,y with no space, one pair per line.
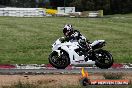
58,52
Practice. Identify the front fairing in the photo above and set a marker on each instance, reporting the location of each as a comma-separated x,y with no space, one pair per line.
56,45
70,45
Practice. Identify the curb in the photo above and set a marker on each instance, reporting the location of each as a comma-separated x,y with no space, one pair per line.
48,66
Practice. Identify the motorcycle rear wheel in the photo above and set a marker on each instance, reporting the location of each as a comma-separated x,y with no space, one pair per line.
104,59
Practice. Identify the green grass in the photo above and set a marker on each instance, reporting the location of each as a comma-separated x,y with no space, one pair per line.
28,40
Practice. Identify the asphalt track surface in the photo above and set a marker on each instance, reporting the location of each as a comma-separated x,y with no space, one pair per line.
61,71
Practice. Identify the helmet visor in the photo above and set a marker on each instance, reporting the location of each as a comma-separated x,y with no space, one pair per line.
64,30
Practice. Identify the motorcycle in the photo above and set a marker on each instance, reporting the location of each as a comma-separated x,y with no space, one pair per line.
70,53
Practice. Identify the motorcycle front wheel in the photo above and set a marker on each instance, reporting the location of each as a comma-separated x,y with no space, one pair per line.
59,62
104,59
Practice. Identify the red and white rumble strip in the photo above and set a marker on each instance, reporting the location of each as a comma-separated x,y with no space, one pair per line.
48,66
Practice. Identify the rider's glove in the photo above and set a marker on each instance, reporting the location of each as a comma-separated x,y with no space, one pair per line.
62,39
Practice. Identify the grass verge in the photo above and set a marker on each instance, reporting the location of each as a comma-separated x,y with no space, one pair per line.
28,40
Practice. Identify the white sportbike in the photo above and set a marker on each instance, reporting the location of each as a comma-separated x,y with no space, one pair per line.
70,53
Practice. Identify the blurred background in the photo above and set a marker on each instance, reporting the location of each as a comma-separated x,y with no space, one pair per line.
108,6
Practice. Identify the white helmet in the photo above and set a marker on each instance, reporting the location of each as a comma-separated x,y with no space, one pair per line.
67,28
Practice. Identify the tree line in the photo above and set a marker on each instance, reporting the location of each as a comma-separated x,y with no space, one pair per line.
109,6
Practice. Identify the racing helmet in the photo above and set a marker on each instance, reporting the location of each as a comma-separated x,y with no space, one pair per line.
67,30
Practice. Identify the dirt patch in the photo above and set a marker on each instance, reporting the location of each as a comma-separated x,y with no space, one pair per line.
49,80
